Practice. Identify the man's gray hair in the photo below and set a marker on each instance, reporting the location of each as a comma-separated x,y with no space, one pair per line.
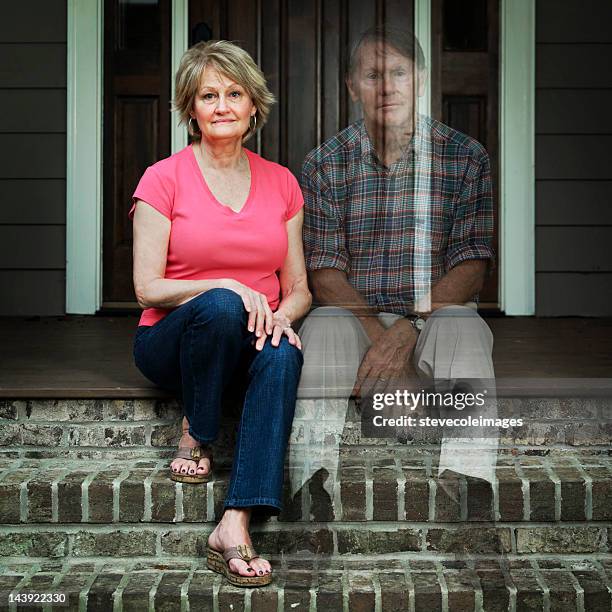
401,39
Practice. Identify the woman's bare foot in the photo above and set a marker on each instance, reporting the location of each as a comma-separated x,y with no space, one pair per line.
186,466
232,530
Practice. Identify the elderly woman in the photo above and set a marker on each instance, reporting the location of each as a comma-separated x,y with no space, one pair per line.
219,270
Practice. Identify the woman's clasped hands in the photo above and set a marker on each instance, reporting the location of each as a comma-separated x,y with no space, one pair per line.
262,321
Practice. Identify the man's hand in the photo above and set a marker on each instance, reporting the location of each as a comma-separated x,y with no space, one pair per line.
388,359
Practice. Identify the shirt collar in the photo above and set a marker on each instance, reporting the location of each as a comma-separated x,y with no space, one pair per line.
368,152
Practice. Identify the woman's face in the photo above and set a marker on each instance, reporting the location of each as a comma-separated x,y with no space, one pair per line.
222,108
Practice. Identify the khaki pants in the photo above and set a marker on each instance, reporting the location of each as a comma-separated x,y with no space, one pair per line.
455,344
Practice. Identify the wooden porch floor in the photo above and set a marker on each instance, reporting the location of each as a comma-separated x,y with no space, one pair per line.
88,357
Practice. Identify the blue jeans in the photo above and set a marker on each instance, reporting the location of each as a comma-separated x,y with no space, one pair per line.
196,352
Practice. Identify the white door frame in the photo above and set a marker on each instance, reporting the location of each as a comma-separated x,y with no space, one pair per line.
517,149
85,63
84,147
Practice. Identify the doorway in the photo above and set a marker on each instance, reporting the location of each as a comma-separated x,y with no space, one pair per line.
302,49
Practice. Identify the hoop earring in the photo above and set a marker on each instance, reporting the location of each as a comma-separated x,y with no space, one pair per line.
254,122
193,130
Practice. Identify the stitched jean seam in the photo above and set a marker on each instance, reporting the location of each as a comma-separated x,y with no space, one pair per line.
237,459
253,501
194,384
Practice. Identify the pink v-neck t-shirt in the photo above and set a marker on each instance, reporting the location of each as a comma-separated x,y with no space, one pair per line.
209,240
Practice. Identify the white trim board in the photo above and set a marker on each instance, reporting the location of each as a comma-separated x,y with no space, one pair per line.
180,44
517,157
84,157
422,30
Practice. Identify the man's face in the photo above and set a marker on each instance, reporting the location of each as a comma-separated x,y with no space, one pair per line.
384,82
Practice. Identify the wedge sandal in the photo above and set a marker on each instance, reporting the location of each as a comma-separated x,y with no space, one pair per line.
219,562
193,454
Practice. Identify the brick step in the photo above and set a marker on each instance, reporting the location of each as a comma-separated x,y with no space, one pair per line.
168,539
543,409
372,486
55,427
328,584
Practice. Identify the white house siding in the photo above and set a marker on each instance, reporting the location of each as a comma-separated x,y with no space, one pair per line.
32,157
573,157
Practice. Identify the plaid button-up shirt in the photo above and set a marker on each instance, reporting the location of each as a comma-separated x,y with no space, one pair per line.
396,231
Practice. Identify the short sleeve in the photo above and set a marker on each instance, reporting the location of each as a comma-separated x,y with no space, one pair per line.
295,199
471,235
156,191
324,239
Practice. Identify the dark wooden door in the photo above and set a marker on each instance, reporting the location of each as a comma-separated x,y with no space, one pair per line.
464,86
136,124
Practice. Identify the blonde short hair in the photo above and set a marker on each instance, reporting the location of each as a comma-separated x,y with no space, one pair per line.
231,61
